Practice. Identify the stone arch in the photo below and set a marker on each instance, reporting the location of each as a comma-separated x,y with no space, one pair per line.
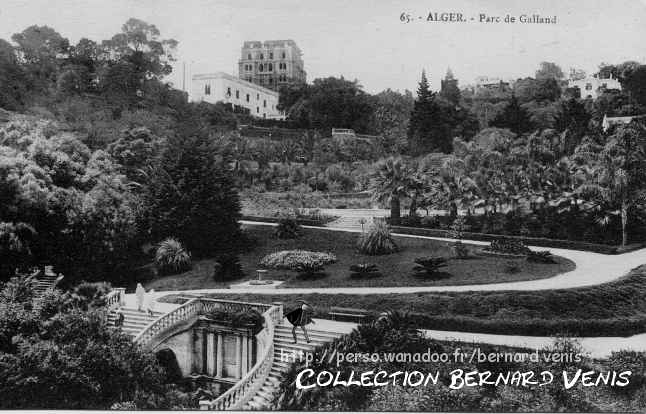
168,360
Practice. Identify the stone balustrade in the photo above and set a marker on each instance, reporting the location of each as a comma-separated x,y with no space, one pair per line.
237,396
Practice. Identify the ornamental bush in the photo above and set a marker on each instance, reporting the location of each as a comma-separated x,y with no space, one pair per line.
296,259
288,228
377,241
508,245
429,267
364,271
171,257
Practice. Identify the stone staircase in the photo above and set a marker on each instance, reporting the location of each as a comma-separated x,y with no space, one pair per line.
350,223
43,282
134,321
285,353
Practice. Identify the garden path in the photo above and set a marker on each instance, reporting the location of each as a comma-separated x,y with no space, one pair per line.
591,269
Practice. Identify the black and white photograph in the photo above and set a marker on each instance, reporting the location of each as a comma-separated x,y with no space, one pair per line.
343,206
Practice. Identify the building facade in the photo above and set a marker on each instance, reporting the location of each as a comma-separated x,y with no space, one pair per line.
271,63
241,95
492,83
593,86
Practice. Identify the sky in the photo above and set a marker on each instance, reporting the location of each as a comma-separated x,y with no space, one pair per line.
363,39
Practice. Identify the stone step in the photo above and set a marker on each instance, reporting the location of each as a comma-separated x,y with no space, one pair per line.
290,340
266,392
283,330
260,400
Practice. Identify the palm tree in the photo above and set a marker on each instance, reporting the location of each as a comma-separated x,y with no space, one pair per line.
389,182
618,175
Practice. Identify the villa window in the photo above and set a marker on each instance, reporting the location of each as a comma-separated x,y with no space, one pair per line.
257,96
271,55
228,92
264,103
283,55
249,56
260,67
247,97
207,89
237,94
257,110
262,56
271,67
588,86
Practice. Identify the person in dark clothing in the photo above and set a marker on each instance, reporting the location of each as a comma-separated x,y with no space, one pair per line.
301,316
118,322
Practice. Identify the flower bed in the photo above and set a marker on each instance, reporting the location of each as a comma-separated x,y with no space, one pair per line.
296,259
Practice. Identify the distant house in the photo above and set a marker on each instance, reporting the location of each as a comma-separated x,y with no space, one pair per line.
492,83
239,94
609,121
593,86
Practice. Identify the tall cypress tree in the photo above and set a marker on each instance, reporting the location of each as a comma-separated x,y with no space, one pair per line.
191,196
428,130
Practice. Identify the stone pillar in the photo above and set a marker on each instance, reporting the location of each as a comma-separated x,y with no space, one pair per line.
210,354
219,356
197,352
245,355
238,356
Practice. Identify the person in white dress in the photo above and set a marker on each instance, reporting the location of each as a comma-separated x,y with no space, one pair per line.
140,292
150,303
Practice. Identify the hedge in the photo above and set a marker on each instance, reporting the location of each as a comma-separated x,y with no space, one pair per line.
531,241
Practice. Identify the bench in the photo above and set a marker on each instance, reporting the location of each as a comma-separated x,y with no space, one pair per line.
348,314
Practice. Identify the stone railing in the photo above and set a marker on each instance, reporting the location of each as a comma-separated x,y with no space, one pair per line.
237,396
190,309
115,298
186,311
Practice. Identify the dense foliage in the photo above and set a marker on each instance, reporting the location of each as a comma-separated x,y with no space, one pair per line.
56,355
394,332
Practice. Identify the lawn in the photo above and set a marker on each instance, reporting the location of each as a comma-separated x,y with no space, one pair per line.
396,268
616,308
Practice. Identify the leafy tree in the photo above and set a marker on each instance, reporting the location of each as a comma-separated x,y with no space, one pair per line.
190,195
635,84
135,149
15,248
333,103
549,70
513,117
40,49
56,356
82,209
392,117
139,45
13,82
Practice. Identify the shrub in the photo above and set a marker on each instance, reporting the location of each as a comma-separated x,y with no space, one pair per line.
227,267
295,259
364,271
377,240
239,318
171,257
511,267
310,270
460,250
288,228
508,245
429,266
89,295
458,227
543,256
